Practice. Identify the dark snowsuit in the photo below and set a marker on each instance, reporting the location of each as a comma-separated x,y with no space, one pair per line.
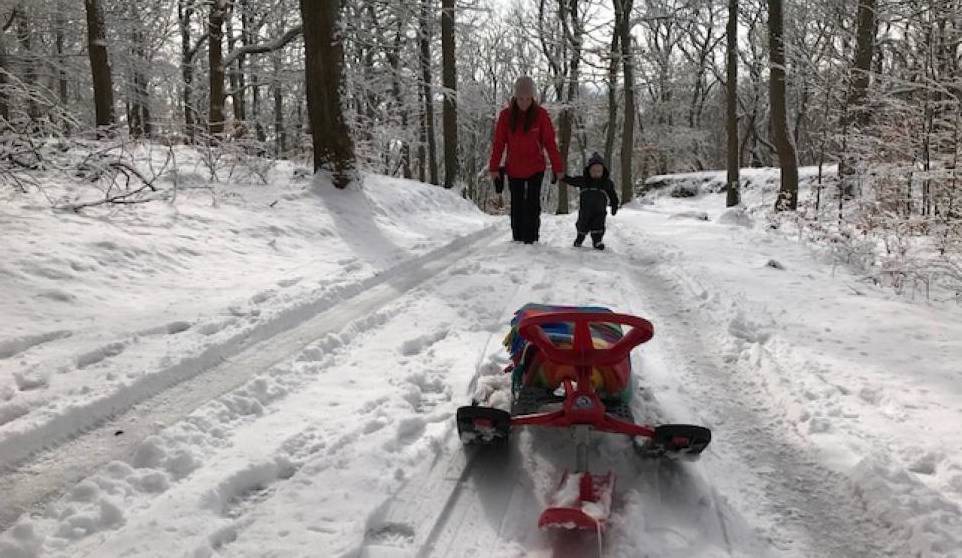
596,195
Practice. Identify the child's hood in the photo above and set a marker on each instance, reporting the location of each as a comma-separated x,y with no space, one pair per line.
596,159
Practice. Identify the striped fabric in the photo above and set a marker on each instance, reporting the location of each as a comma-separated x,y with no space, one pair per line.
531,368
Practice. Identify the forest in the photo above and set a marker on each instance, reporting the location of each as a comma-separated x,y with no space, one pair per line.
867,90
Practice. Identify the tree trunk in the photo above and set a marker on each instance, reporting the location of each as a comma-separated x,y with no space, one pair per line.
732,198
279,130
61,24
27,61
426,84
215,59
857,114
422,139
623,15
4,66
138,115
184,12
4,100
323,64
567,115
787,158
99,64
280,134
250,36
612,93
864,51
256,108
237,81
450,83
394,57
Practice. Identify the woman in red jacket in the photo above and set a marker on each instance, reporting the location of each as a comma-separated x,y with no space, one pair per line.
525,129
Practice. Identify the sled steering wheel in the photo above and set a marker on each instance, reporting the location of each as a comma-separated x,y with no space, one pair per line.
583,351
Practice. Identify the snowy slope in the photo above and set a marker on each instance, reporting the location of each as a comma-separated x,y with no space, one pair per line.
106,307
835,406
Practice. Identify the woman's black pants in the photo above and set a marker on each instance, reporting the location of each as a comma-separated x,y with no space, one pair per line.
526,207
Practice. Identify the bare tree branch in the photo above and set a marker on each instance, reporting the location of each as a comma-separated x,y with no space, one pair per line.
276,44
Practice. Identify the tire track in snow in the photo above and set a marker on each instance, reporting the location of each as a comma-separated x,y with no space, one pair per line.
390,528
118,425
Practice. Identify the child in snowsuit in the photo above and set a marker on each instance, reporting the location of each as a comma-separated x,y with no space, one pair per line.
597,191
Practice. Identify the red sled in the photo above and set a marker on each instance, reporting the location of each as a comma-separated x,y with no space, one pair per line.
573,360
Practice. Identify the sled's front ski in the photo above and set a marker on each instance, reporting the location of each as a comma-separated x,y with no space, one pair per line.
582,501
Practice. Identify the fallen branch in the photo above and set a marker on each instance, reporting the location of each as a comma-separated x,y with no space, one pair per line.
121,199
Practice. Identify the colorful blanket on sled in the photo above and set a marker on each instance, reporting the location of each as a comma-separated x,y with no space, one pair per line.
531,368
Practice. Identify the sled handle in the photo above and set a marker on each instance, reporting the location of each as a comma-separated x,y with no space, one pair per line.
583,352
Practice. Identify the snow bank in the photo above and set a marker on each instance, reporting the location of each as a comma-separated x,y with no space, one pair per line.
110,306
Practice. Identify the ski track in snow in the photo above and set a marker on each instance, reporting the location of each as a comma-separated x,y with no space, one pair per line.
166,402
348,444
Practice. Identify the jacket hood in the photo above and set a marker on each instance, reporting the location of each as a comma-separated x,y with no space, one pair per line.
596,159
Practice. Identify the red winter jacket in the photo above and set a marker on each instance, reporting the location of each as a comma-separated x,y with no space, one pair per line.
525,149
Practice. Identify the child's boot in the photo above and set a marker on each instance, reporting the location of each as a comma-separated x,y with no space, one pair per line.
579,240
596,241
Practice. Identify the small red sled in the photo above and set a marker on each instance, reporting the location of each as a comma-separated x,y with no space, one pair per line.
571,369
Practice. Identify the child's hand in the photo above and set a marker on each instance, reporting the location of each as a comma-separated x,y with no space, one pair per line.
613,211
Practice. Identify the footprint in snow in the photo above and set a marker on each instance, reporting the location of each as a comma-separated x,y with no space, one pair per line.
100,354
417,345
284,283
11,347
263,296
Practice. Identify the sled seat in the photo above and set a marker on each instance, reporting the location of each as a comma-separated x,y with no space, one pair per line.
532,369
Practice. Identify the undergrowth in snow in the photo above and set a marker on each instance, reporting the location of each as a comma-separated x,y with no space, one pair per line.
920,257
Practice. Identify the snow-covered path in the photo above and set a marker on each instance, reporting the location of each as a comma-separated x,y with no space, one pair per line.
346,446
327,463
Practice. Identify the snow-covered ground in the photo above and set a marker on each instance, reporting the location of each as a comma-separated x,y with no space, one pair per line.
280,380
